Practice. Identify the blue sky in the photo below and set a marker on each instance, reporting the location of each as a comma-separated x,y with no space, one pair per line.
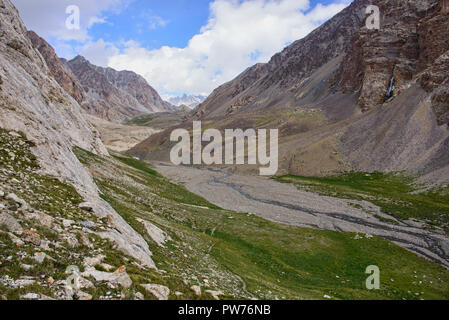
179,46
183,18
140,22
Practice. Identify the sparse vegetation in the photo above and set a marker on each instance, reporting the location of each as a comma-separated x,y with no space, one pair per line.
245,256
395,194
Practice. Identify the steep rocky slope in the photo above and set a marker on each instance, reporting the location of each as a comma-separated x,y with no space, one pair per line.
346,97
117,95
65,78
33,103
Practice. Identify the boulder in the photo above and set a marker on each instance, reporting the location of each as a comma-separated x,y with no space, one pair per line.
10,223
22,203
159,291
86,206
215,294
31,237
196,289
119,277
30,296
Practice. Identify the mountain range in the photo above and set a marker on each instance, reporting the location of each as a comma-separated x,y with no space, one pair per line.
345,100
190,101
330,96
103,92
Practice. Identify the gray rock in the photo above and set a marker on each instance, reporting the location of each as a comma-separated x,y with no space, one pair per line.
10,223
196,289
86,206
158,235
159,291
119,277
67,223
22,283
215,294
30,296
40,257
139,296
16,199
89,224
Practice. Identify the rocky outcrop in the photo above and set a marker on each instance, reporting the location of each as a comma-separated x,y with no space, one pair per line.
65,79
115,95
33,102
382,63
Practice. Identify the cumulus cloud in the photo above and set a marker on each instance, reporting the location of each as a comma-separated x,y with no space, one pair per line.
48,17
237,35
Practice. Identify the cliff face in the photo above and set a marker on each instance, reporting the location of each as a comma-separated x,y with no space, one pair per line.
33,102
116,95
65,79
383,63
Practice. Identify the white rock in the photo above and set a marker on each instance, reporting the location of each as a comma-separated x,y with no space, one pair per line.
327,297
196,289
119,277
30,296
159,291
40,257
139,296
26,267
215,294
94,261
86,206
158,235
24,283
10,223
67,223
16,199
85,284
14,134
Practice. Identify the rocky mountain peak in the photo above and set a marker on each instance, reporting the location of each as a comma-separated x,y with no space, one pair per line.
118,94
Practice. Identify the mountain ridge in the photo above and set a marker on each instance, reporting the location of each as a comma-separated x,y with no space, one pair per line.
104,92
323,91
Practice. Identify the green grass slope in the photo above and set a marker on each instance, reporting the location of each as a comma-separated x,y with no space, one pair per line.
244,256
395,194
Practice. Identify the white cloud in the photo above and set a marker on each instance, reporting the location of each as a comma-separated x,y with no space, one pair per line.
48,17
237,35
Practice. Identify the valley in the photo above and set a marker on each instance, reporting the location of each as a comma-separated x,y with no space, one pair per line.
92,206
291,206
